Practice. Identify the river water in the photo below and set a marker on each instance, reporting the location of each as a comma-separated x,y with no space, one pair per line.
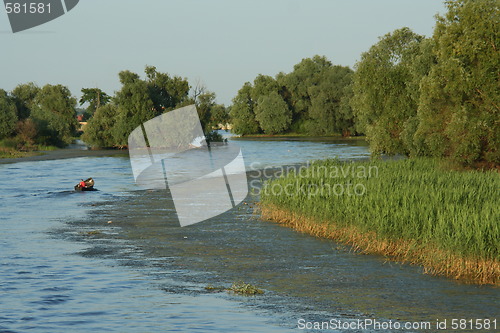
116,259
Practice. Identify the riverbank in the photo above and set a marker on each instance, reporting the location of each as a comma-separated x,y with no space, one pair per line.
302,137
9,149
410,211
13,154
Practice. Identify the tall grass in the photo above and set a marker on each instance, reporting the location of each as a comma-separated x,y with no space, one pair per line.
9,148
413,210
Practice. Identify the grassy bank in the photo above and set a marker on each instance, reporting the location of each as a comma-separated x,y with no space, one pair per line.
9,149
409,210
12,153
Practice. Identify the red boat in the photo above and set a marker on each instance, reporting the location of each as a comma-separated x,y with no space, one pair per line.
89,185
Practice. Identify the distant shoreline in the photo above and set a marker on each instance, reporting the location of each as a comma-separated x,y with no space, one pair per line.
298,136
66,153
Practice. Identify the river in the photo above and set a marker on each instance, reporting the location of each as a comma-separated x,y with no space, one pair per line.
116,260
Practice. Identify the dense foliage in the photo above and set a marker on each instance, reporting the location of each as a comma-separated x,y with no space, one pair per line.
386,90
437,96
53,112
242,112
99,129
140,100
459,110
31,116
8,115
95,98
409,94
309,100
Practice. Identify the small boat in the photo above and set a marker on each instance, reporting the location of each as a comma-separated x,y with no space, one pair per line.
89,185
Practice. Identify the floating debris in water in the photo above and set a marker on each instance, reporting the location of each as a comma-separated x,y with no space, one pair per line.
239,288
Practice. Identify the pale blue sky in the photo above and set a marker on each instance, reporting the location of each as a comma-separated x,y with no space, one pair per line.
223,43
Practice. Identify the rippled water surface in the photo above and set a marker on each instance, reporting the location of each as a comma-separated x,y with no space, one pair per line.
116,260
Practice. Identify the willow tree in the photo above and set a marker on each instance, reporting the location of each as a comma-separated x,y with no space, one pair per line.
305,74
24,96
264,85
99,129
53,112
210,113
8,115
328,112
134,107
95,97
384,88
242,112
273,114
460,104
141,100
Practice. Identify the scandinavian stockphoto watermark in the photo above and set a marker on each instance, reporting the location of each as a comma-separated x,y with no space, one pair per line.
171,152
26,14
332,180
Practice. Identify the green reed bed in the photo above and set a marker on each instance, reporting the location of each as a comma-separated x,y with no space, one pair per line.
412,210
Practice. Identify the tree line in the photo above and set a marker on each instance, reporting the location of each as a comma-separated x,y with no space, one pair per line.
312,99
408,94
412,95
31,116
139,100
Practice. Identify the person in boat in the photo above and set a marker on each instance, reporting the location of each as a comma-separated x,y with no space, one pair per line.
82,184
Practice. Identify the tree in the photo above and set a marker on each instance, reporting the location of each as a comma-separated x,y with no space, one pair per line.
459,108
210,113
386,90
305,74
134,107
26,134
8,115
327,111
141,100
96,98
273,114
54,114
99,129
264,85
165,91
316,94
347,118
219,115
242,112
24,95
204,104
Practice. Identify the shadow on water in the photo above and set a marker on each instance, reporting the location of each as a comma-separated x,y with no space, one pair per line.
62,194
